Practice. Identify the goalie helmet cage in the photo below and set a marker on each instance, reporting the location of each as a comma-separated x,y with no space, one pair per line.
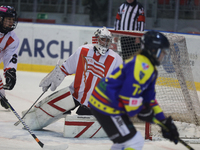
175,89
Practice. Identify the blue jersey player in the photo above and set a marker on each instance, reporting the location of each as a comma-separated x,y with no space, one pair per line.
130,91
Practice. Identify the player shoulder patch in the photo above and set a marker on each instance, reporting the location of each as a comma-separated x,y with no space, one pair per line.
145,66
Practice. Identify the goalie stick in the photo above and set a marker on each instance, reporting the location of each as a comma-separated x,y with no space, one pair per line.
166,129
47,147
17,123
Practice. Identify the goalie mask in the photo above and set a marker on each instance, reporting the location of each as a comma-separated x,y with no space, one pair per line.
156,44
104,39
8,19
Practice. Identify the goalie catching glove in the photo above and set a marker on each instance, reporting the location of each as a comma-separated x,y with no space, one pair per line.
53,79
172,133
10,76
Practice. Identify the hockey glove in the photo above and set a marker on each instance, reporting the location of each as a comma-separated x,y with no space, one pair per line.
10,76
3,104
172,133
146,114
53,79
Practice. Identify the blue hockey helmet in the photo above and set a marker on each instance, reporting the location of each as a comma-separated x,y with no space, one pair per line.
155,42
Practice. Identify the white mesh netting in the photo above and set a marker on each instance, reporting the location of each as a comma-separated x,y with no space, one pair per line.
175,88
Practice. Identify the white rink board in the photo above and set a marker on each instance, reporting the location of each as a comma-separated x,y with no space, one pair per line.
44,44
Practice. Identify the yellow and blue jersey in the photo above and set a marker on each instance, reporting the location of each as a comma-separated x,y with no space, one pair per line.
129,86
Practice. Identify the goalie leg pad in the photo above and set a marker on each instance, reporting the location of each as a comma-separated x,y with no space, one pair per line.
50,109
84,126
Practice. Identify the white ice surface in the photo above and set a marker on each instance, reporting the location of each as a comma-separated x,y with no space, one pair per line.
24,95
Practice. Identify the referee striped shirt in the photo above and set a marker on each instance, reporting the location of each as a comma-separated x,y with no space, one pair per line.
130,17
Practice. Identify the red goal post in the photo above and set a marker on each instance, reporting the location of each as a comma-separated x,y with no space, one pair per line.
175,89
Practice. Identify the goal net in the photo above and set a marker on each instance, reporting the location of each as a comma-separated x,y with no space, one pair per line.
175,89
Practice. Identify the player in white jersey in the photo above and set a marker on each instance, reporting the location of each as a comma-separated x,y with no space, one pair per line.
9,43
89,63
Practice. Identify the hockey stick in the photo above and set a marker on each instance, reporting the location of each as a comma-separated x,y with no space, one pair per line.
27,128
166,129
17,123
16,114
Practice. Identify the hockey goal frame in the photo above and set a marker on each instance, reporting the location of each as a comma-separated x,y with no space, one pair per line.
184,84
132,34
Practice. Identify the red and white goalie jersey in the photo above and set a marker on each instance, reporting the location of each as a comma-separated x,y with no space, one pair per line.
9,50
89,67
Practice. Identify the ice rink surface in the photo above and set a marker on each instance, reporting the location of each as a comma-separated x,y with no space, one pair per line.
25,93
